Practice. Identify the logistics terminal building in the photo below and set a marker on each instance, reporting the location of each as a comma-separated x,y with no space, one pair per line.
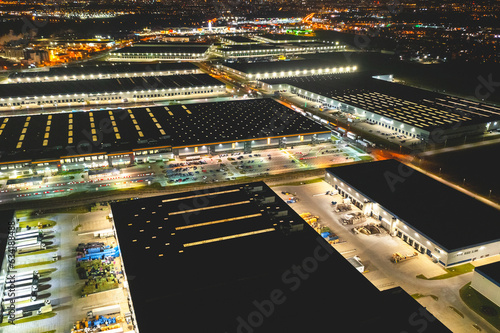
104,71
410,111
162,51
119,136
265,70
445,224
239,259
128,89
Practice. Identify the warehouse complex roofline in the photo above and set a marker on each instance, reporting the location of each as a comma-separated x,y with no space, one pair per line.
247,240
426,204
26,138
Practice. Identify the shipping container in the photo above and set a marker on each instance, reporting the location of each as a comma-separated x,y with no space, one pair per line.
35,247
105,310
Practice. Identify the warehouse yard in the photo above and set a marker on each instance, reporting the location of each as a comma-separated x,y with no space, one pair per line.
70,296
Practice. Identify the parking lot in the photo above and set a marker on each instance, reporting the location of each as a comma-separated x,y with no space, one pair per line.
375,252
230,166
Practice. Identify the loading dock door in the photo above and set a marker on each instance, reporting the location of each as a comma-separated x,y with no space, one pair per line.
429,253
386,225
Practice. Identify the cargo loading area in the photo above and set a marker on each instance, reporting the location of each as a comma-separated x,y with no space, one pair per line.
248,240
64,272
189,129
422,211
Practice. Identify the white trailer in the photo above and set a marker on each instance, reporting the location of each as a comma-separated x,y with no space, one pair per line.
351,135
369,143
105,310
28,232
29,248
21,237
6,304
27,241
31,306
363,143
21,276
15,315
24,294
17,285
20,290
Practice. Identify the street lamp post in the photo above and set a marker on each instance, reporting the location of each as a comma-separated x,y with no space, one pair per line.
463,183
489,195
439,171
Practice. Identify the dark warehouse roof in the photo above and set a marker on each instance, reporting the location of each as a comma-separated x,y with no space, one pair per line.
211,255
129,128
240,39
278,66
443,214
490,271
285,37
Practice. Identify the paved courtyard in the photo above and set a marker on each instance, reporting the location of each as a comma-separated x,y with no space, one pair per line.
375,252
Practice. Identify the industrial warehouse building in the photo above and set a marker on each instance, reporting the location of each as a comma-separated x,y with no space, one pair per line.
239,259
120,136
162,51
104,71
284,38
434,218
237,40
410,111
274,49
486,280
97,91
7,223
275,69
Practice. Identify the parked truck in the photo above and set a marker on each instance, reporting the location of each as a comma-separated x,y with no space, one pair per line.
31,248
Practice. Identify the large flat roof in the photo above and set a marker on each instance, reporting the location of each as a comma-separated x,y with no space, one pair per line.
287,37
447,216
251,47
492,271
156,48
55,88
174,126
285,66
240,39
417,107
272,46
106,69
199,262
